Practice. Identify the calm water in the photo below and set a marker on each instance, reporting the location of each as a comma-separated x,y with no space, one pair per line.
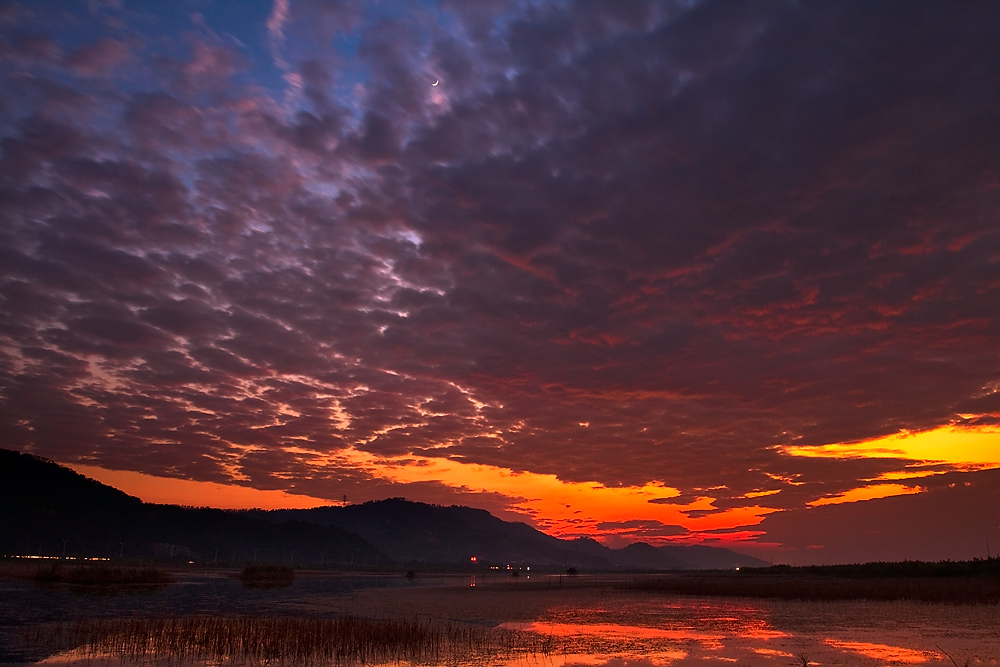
591,625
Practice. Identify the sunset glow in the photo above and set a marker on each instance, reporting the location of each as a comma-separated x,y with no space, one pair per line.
170,490
562,508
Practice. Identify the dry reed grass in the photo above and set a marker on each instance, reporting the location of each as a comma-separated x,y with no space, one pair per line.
253,640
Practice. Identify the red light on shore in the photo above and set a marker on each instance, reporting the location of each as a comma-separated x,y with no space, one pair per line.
473,559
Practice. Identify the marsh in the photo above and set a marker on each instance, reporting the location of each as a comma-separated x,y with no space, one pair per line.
483,620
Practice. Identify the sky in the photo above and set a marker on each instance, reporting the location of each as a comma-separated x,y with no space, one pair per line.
681,272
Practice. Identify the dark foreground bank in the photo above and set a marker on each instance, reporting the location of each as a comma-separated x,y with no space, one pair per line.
958,582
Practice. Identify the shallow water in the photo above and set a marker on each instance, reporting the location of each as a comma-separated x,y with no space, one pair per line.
589,623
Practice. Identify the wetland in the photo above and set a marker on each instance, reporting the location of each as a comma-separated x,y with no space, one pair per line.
208,616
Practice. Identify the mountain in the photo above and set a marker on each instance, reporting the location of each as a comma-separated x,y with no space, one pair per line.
48,509
412,532
642,556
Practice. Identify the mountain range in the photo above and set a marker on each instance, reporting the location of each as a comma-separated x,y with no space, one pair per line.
417,533
48,509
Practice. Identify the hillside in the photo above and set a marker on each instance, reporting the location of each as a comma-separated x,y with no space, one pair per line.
414,532
48,509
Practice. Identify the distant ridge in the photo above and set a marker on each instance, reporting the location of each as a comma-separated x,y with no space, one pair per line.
413,532
48,509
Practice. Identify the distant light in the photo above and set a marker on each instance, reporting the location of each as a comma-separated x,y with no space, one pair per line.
473,559
737,569
34,557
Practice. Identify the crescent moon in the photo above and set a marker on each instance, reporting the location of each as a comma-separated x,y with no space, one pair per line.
436,82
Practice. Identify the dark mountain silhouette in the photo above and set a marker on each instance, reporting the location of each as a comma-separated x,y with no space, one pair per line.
47,509
412,532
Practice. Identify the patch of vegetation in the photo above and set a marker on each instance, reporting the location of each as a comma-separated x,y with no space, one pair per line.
907,568
291,640
102,575
267,576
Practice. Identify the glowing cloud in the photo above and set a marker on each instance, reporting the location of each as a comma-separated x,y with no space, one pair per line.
867,493
961,447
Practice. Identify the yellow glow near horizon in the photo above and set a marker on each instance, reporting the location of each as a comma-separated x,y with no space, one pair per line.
962,447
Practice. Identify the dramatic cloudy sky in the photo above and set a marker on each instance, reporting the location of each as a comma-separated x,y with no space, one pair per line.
715,272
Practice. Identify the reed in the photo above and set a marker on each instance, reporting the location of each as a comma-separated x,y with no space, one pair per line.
253,640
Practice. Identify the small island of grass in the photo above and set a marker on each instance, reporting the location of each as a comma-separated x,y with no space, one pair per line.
102,575
267,576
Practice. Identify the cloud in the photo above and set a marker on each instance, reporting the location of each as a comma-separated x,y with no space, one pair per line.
100,59
619,245
276,29
640,529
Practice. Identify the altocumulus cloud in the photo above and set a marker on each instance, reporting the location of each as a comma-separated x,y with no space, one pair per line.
686,233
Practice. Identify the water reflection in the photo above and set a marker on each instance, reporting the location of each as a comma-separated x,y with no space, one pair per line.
693,631
890,654
612,643
772,652
569,660
586,627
